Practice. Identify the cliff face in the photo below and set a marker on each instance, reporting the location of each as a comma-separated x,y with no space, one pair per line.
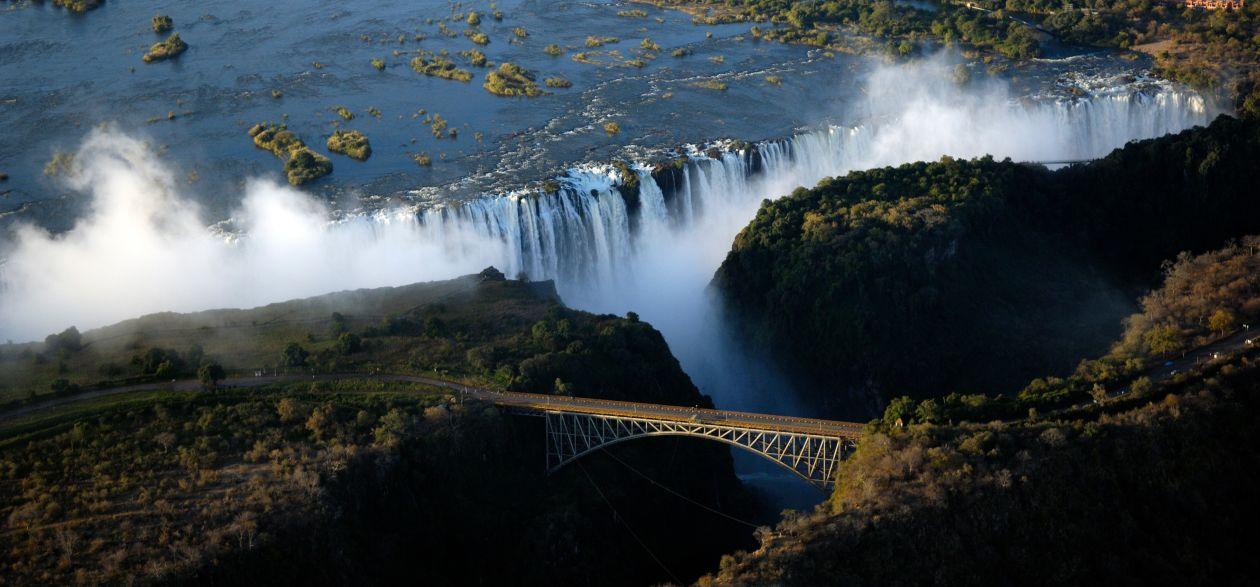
975,276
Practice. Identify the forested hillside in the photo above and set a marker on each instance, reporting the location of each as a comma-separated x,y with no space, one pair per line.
1151,482
976,276
359,480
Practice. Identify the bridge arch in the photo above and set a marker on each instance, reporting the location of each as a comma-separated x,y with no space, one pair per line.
813,457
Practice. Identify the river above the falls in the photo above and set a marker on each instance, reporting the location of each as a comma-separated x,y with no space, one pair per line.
63,74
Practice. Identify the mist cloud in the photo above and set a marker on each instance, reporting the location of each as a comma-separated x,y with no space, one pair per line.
142,247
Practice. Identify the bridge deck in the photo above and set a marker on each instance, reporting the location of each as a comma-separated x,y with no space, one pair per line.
544,403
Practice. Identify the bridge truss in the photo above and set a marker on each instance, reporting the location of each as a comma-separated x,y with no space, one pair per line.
814,457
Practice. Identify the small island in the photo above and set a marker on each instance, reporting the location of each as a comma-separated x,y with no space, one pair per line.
171,48
77,6
301,164
512,80
162,23
434,65
351,143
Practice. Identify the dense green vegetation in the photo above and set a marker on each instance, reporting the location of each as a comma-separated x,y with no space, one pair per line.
301,164
77,6
593,41
330,480
162,23
475,58
1158,494
558,82
312,483
170,48
351,143
504,334
976,276
437,65
512,80
1151,486
1208,49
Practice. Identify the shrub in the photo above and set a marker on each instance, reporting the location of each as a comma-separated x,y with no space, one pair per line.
475,58
612,128
171,48
593,41
436,66
511,80
378,64
351,143
558,82
553,50
301,164
162,23
711,85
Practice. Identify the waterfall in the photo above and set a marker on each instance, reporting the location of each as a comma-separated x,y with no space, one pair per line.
585,234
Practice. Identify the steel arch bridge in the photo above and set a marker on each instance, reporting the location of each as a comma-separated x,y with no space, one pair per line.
813,456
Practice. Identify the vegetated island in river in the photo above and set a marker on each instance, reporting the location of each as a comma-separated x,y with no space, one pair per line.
301,164
170,48
351,143
512,80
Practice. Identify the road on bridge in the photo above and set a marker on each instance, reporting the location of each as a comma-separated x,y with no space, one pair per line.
528,402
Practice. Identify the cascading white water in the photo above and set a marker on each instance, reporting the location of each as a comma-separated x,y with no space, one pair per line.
656,258
582,235
654,253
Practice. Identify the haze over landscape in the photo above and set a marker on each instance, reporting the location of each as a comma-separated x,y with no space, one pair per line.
885,231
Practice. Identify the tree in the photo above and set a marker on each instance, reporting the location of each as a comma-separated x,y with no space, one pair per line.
210,374
1223,321
349,343
1164,340
393,427
899,412
63,387
338,325
294,355
930,412
69,340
